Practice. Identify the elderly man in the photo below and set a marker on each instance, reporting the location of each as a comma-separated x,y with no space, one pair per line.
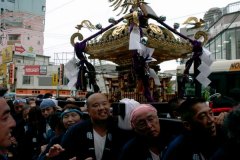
6,124
147,144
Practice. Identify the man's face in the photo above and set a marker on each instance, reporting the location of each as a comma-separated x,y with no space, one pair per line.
203,120
70,119
18,107
32,103
147,124
47,112
98,107
6,124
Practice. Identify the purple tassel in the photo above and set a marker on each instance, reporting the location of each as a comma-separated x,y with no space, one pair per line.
79,49
139,67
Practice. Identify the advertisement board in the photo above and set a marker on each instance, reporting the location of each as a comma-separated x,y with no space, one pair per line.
32,69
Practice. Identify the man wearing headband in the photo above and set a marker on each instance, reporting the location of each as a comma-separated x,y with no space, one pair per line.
70,116
147,143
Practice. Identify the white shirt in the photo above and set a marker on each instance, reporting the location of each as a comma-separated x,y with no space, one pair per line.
154,156
99,144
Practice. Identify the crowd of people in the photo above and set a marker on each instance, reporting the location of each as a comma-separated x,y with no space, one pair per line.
40,131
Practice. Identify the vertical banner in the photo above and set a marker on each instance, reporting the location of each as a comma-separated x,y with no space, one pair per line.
3,69
7,54
11,73
3,73
54,79
61,74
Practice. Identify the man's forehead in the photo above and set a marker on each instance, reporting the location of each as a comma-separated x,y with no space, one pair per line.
3,106
146,115
99,101
201,107
2,101
97,97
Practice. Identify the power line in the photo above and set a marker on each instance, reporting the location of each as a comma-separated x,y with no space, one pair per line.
62,44
186,16
64,4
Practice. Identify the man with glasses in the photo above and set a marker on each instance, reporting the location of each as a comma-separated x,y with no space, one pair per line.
147,144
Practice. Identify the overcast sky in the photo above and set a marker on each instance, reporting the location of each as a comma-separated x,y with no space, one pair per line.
63,15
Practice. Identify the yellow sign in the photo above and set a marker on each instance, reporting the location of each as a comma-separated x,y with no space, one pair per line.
235,66
3,69
7,54
3,73
55,79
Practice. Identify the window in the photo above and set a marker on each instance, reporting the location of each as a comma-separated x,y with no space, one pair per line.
13,37
212,48
43,8
230,44
2,10
45,81
27,79
13,1
218,48
224,44
237,43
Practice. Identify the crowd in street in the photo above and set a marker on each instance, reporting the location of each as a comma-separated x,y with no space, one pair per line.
42,130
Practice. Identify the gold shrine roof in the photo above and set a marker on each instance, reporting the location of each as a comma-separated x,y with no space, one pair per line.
113,45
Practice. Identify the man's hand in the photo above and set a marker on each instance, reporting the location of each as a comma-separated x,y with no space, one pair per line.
55,150
219,118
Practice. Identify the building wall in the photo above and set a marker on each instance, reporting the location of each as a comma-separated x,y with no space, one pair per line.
224,33
36,7
23,25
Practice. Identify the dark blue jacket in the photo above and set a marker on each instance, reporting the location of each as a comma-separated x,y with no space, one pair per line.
137,148
229,151
189,147
78,141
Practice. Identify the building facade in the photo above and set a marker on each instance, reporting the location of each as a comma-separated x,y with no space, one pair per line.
223,28
22,25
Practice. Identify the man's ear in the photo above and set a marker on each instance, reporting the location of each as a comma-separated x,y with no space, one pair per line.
187,125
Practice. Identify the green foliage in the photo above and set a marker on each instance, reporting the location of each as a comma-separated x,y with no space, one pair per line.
169,86
206,93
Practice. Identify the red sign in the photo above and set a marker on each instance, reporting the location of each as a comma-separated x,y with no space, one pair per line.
11,73
19,49
32,69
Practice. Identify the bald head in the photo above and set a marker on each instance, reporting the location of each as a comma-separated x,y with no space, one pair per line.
95,96
98,107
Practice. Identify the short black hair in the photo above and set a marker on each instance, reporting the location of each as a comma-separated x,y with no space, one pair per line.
47,95
186,108
231,125
174,104
3,90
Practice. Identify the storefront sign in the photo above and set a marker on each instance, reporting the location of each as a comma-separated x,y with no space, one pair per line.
32,69
43,70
